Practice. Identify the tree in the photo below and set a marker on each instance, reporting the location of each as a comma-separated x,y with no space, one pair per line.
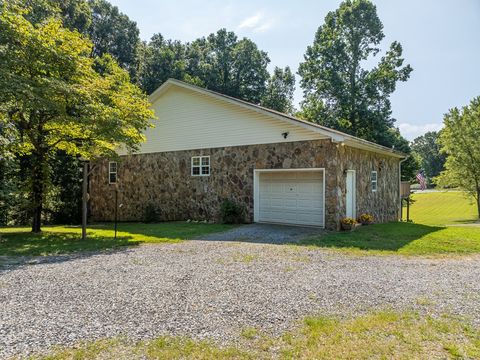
233,67
112,32
427,149
410,166
162,59
55,96
459,141
279,91
339,92
219,62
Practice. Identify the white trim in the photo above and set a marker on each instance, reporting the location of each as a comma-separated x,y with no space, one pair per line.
256,189
200,165
376,180
112,172
354,198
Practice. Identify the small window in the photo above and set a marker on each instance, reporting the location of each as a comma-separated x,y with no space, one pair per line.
374,180
112,172
200,165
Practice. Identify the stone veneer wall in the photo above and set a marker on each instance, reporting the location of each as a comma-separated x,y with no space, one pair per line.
164,179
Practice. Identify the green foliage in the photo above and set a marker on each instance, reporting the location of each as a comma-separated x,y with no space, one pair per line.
151,213
162,59
219,62
114,33
338,91
426,149
279,92
109,30
410,166
231,212
459,141
66,180
56,97
75,14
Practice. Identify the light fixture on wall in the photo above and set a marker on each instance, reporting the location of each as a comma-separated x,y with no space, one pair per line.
285,134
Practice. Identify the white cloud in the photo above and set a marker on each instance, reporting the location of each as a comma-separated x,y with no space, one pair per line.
257,23
411,131
251,22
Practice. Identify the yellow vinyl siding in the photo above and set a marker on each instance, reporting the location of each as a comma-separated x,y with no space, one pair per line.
189,120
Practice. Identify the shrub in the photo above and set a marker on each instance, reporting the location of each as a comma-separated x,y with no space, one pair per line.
231,212
365,219
151,213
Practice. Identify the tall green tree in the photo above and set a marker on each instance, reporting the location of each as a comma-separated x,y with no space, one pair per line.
427,149
112,32
339,90
459,141
162,59
233,67
55,96
75,14
279,91
219,62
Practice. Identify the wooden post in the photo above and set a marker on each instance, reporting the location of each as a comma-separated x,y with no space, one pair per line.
116,210
401,209
84,200
408,209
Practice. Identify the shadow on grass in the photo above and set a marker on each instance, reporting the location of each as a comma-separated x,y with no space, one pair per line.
165,231
57,243
379,237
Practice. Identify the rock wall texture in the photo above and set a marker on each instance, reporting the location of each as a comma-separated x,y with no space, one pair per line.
165,180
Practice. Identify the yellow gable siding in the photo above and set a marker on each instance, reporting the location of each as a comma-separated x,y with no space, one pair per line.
188,120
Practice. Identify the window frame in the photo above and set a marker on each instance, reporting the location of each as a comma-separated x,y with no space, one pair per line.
372,181
110,172
200,166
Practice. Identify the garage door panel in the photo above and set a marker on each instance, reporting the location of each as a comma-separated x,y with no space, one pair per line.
292,197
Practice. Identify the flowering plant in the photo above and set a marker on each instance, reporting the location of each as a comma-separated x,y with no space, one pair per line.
365,219
349,221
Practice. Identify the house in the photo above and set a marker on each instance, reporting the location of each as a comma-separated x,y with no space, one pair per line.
207,147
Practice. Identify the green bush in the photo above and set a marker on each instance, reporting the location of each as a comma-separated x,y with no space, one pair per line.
231,212
151,214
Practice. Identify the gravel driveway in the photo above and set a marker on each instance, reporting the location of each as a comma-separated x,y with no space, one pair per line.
214,289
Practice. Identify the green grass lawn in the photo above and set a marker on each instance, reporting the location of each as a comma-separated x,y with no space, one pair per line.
67,239
376,335
442,208
427,235
403,239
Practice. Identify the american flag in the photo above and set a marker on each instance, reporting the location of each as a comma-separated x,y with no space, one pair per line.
422,180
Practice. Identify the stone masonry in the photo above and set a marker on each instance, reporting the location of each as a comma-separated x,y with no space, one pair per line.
165,180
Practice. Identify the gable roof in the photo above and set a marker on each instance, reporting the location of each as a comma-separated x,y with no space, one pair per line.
335,135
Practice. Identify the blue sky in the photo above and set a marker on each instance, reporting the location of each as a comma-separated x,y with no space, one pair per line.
441,41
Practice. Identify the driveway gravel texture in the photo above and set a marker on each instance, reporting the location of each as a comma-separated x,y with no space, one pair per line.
214,289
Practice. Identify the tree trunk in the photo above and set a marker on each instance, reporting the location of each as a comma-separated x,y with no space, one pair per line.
478,202
38,184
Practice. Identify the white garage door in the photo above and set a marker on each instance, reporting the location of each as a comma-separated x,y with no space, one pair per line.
291,197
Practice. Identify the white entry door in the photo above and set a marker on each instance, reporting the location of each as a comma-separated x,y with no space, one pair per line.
291,197
351,194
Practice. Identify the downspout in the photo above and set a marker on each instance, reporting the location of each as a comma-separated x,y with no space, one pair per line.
400,186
